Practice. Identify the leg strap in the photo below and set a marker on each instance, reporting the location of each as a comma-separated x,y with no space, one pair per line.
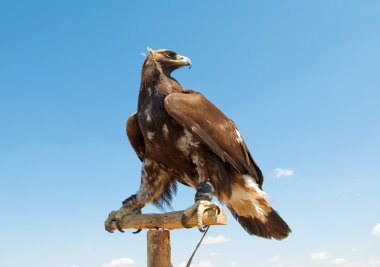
133,197
204,191
132,204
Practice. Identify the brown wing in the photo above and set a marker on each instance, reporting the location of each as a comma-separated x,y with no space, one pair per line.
135,136
214,129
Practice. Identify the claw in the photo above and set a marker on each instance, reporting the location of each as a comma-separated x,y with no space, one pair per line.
107,229
137,231
200,207
117,217
108,222
117,223
218,211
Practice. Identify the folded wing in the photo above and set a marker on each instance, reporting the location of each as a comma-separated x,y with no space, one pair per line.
135,136
214,129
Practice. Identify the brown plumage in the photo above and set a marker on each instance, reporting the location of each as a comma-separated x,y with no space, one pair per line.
180,136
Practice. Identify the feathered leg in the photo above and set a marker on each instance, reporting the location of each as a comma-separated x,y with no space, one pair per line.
203,195
154,182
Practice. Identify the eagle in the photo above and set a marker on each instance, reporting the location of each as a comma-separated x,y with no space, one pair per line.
180,136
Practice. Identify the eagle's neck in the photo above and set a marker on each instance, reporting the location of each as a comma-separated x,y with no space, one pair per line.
152,75
149,73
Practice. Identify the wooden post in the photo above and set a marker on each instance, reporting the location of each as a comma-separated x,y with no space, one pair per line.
158,242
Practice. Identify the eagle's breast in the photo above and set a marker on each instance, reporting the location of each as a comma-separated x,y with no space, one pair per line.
167,142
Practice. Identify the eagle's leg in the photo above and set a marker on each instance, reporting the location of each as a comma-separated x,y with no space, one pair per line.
203,195
154,180
202,203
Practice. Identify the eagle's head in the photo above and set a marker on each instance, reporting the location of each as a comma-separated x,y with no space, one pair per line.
169,60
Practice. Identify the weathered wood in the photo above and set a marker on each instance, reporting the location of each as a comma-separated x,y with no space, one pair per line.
158,242
169,220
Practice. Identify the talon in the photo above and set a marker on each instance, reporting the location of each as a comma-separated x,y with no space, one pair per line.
108,222
107,229
218,211
199,208
117,223
128,208
136,232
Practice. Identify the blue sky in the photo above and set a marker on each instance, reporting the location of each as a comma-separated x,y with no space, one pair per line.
299,78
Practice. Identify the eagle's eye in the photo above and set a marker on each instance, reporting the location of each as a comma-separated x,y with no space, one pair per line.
170,54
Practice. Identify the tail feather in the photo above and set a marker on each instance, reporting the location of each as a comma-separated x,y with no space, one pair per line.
275,227
249,205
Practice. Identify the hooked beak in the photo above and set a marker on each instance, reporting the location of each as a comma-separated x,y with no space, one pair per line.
185,61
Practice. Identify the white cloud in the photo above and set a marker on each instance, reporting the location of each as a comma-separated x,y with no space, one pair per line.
232,263
342,262
278,172
319,256
376,230
214,254
215,240
356,263
275,258
119,262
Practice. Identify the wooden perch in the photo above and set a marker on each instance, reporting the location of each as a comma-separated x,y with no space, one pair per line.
169,220
159,250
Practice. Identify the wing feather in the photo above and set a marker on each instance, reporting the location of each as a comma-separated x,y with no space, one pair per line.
214,129
135,136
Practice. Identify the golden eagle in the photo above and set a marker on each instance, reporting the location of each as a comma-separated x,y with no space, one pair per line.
180,136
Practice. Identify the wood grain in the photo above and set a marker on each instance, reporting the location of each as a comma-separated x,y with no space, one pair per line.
158,243
169,220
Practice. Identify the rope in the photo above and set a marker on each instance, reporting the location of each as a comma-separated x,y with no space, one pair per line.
196,248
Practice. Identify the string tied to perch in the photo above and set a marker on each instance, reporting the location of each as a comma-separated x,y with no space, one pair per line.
196,248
